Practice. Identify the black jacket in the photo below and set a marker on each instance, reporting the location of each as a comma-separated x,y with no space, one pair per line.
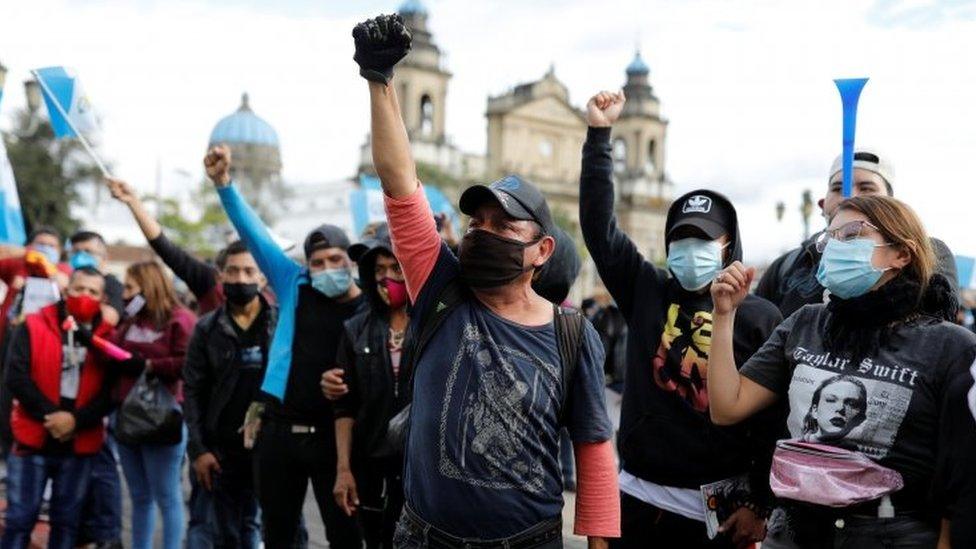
666,437
790,282
375,394
210,376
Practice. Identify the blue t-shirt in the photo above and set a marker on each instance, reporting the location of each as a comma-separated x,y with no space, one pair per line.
483,448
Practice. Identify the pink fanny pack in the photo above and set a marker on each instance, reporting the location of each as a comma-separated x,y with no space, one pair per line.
829,476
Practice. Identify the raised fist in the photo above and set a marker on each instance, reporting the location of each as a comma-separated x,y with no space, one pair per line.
604,108
121,190
380,43
217,164
731,286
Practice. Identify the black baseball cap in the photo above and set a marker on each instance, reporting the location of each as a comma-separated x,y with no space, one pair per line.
377,239
700,210
325,236
519,198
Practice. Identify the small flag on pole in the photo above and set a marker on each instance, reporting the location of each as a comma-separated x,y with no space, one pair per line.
67,105
68,108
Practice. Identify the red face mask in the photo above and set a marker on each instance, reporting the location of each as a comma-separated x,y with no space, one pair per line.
83,307
396,290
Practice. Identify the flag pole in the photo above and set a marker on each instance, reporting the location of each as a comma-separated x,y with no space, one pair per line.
81,136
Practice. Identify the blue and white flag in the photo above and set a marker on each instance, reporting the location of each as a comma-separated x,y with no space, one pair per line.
367,203
11,217
67,105
966,271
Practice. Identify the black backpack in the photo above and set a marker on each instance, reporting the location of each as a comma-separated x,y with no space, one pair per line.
569,338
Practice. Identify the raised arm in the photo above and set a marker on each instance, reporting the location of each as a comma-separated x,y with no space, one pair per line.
380,43
199,277
272,260
617,258
731,396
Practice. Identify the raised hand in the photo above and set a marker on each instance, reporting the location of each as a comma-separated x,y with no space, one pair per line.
121,190
730,287
603,109
380,43
217,164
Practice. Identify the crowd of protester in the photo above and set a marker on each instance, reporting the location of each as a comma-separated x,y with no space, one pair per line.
444,394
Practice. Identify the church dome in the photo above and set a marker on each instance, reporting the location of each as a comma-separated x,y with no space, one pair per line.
410,7
638,66
243,126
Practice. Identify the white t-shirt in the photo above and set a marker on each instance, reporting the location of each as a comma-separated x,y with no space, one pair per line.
682,501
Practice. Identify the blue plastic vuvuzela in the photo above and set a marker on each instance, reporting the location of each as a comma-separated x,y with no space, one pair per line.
850,91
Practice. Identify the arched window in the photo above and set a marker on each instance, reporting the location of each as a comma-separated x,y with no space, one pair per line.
619,155
651,155
426,115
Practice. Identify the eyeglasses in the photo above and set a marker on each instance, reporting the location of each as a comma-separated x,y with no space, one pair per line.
845,233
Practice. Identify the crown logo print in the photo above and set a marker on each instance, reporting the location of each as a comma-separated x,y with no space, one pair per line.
697,204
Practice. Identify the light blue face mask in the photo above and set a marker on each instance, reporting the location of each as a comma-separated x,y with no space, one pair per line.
695,262
50,252
82,259
332,282
846,269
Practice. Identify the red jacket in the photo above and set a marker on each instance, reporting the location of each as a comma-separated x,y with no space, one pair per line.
45,366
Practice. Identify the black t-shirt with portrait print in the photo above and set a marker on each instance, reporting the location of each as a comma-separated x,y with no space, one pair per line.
251,347
887,406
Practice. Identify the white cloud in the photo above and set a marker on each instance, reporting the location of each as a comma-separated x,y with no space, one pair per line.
746,85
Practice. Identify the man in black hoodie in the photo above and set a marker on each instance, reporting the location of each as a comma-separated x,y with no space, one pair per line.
668,445
369,387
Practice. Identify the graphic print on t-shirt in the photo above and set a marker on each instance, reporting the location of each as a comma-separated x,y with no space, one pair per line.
493,425
857,407
686,341
251,357
71,360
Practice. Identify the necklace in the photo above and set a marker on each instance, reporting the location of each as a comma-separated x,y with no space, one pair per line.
396,338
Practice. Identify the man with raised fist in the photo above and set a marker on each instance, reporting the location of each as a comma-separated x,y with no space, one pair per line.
296,440
493,380
669,448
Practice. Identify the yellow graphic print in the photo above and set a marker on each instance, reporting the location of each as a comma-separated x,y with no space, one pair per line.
681,362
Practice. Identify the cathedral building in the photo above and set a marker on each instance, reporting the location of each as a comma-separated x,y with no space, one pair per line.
535,131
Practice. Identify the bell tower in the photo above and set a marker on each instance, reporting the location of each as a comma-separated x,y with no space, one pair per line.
420,79
639,134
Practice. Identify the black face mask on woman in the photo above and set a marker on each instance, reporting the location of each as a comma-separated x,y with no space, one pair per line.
239,293
489,261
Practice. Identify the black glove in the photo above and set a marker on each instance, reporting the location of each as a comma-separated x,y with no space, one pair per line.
380,43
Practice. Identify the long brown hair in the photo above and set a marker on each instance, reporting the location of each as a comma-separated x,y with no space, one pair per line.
157,289
900,226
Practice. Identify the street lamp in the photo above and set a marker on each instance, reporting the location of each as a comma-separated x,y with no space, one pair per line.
780,210
33,92
806,209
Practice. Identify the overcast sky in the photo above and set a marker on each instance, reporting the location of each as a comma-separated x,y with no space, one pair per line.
747,85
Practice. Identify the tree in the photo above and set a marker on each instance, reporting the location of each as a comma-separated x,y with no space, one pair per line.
48,172
206,234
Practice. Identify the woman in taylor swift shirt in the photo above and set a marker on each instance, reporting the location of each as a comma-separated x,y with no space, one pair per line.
885,329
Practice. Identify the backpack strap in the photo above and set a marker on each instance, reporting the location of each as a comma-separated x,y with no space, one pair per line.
569,339
449,298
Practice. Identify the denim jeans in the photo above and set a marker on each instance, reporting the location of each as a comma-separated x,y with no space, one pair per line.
152,472
27,475
791,529
412,532
101,515
202,528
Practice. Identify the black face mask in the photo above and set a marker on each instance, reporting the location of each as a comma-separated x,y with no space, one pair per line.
489,261
239,293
